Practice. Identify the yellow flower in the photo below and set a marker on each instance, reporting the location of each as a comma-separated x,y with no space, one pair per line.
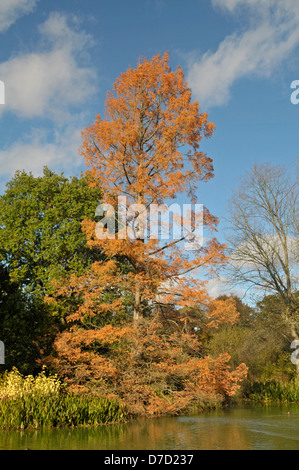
13,384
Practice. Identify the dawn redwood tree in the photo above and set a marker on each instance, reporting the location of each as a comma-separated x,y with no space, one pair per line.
145,150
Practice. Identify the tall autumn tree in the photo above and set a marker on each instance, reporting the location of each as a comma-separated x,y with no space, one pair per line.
146,149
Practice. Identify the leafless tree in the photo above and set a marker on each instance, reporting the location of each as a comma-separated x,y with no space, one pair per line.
263,236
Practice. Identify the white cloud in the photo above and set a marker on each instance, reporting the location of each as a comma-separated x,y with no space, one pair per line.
53,84
272,36
12,10
47,83
38,150
222,286
266,251
57,32
231,5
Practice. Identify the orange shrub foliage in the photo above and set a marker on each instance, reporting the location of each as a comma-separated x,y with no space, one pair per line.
154,370
222,311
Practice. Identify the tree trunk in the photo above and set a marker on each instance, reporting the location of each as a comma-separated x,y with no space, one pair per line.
137,314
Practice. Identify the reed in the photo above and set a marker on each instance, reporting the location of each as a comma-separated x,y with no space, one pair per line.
273,391
57,410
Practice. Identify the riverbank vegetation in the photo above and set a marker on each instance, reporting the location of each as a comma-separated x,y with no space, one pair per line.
273,391
124,324
263,342
28,402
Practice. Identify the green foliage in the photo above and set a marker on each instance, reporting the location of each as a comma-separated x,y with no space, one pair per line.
57,410
26,325
257,347
273,314
41,401
40,228
259,340
273,391
40,240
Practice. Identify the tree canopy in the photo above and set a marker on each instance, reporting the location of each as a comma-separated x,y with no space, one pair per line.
40,228
41,241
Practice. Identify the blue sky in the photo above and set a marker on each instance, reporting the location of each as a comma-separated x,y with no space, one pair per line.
58,58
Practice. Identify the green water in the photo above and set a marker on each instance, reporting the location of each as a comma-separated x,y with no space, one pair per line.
236,428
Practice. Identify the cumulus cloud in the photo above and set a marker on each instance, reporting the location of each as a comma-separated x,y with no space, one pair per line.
49,82
52,84
12,10
272,35
222,285
39,149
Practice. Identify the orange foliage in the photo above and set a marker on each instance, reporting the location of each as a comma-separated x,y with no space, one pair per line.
147,149
222,311
153,369
136,149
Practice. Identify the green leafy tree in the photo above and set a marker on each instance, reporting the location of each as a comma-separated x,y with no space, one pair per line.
26,328
40,241
40,228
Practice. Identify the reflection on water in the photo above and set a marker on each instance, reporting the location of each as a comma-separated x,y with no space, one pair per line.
238,428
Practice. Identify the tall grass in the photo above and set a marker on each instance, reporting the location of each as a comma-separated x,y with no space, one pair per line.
35,402
273,391
36,411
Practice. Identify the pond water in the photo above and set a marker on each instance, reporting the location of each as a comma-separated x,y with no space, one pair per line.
236,428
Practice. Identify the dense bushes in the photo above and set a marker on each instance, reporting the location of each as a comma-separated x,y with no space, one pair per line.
154,368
